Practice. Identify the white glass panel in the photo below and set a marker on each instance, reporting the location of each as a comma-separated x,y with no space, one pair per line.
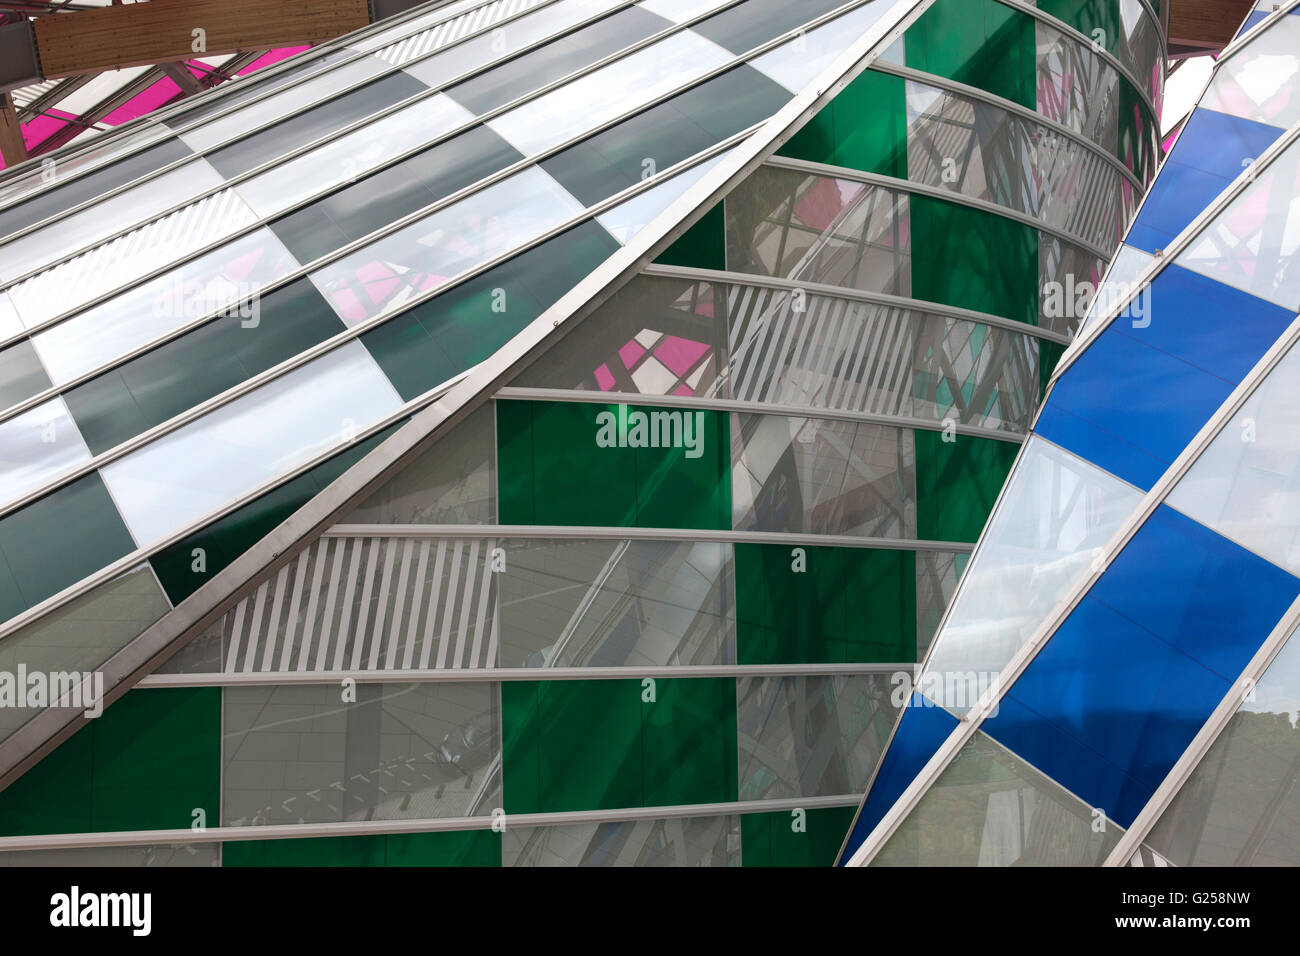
1130,262
36,446
1056,515
796,64
434,17
70,233
183,476
1258,82
64,169
1246,485
139,252
1250,244
628,218
388,273
679,11
197,289
353,155
9,321
609,92
326,86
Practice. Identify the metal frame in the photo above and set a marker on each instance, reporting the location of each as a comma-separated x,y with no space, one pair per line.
971,722
36,738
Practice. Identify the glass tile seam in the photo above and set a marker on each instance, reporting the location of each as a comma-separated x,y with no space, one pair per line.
329,138
846,294
1143,92
466,192
1205,738
320,349
1012,108
220,834
1042,635
158,118
1183,241
896,184
738,406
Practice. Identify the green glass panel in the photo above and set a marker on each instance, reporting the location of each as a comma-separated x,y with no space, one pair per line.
1088,16
420,349
785,839
21,374
462,848
175,377
846,605
1049,354
864,127
603,745
981,43
578,463
56,541
703,246
974,260
149,762
957,483
1137,132
188,564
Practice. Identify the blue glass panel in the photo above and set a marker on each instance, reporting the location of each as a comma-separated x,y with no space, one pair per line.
1110,704
1208,156
923,728
1210,598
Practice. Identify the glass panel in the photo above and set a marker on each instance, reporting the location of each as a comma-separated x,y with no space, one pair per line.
1077,88
191,854
346,158
21,374
444,31
1055,517
451,848
796,64
816,476
609,92
295,754
206,286
1129,265
1239,807
80,636
86,228
615,604
1258,82
798,837
979,42
628,218
811,736
958,478
388,273
192,471
990,808
36,446
690,841
1244,485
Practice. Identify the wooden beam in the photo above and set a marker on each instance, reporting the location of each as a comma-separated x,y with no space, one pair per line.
1206,24
12,147
159,31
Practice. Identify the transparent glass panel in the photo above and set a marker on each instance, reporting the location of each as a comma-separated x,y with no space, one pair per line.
616,604
191,854
388,273
628,218
90,226
38,178
1250,244
1056,515
796,64
990,808
1129,263
1246,485
296,754
36,446
383,39
683,841
1241,805
196,469
10,324
344,159
127,258
1068,277
1258,82
819,229
811,736
445,29
609,92
21,373
208,285
937,576
81,635
816,476
1077,88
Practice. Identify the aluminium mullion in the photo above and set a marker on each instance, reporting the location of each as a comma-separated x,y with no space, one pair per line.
158,117
746,279
1205,738
1182,241
342,338
935,192
280,160
776,409
1008,106
1024,656
1088,45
